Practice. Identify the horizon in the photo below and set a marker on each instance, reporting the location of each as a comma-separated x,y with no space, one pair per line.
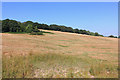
93,16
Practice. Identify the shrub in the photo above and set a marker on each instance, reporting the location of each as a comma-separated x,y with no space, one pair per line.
33,33
39,33
36,33
96,34
112,36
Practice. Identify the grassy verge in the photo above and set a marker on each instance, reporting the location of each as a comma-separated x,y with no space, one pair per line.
16,32
32,33
56,66
36,33
47,32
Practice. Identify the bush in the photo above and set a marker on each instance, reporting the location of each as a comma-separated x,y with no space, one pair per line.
33,33
112,36
96,34
36,33
47,32
39,33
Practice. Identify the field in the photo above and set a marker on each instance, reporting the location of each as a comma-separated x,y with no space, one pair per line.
59,55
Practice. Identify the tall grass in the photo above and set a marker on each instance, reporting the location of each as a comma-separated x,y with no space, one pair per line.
16,67
104,70
55,66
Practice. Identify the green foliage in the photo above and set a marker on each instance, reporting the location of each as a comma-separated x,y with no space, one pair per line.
47,32
76,30
36,33
112,36
29,26
15,26
35,29
0,26
16,32
96,34
10,26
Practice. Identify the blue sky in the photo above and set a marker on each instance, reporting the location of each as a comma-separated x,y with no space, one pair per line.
99,17
60,0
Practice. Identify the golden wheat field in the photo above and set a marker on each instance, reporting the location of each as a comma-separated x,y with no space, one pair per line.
59,55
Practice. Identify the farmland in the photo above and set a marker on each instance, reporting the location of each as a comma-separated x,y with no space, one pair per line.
59,55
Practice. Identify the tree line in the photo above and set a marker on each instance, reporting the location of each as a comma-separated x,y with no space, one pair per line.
33,27
16,26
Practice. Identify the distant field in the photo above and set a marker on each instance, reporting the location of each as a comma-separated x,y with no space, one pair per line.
59,55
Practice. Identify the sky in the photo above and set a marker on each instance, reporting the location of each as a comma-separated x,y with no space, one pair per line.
101,17
60,0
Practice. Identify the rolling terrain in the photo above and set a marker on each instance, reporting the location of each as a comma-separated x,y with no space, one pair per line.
59,55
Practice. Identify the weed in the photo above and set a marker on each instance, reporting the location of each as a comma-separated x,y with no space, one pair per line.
62,46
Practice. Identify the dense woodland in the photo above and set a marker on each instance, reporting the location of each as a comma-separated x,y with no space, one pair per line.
32,27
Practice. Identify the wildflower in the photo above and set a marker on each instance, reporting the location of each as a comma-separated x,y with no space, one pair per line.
92,76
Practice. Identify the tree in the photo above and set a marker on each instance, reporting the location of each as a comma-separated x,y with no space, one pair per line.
35,29
76,30
10,26
96,34
0,26
29,28
112,36
5,26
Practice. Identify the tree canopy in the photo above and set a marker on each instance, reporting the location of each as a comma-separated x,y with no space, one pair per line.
29,26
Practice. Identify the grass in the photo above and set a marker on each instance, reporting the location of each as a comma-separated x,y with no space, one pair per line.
105,48
93,47
19,67
62,46
104,69
27,33
47,32
0,66
55,66
16,32
47,57
50,48
107,53
36,33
